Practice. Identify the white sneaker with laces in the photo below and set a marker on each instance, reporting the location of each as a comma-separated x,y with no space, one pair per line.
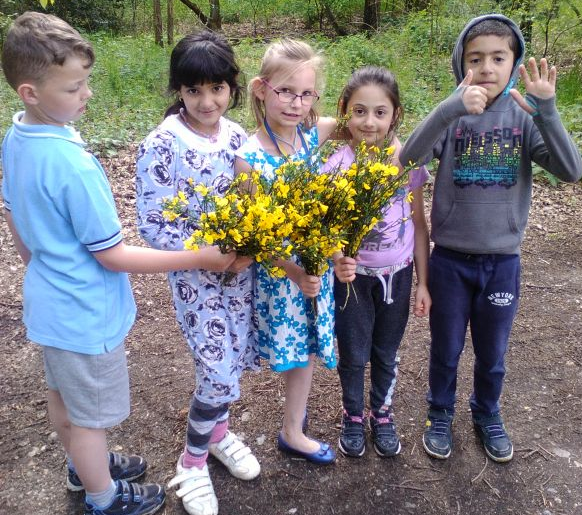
195,490
236,457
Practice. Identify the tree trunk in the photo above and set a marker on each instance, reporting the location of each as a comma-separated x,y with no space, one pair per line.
215,22
526,23
158,28
371,14
340,31
196,10
170,23
134,15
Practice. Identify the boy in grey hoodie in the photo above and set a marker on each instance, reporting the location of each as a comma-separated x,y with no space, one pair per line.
485,135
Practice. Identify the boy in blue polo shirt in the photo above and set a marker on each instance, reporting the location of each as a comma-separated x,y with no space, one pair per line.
78,304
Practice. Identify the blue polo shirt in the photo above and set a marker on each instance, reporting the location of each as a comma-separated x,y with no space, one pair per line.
63,209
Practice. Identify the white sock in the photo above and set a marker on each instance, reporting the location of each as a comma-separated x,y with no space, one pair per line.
102,499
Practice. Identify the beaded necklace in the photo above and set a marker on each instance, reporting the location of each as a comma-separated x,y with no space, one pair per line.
213,138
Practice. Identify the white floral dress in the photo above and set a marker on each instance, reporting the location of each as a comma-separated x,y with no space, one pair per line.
215,315
288,330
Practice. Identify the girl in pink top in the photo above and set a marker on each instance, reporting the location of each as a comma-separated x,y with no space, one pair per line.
371,328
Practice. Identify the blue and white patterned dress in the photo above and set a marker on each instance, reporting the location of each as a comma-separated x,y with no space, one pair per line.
287,327
216,317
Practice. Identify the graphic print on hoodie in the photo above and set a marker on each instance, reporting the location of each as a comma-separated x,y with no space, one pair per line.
483,184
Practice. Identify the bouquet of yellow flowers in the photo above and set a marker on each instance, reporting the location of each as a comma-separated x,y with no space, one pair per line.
375,179
247,219
316,207
302,211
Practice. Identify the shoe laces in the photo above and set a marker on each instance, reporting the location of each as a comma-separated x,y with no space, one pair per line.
439,426
495,430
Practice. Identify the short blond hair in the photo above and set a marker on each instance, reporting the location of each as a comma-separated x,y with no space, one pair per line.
37,41
290,55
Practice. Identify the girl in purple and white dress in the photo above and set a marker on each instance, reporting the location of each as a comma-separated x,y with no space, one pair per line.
195,144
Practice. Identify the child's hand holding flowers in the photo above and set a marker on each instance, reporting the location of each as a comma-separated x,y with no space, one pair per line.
344,267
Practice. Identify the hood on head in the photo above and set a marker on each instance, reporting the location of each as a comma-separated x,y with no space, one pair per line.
457,57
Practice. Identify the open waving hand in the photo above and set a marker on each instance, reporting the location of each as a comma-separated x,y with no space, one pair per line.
541,83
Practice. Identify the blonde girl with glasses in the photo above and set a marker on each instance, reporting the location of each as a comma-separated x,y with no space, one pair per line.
283,98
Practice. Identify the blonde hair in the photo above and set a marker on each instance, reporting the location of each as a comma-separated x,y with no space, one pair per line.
285,55
37,41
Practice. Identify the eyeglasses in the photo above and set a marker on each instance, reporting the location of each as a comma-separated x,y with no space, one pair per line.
307,99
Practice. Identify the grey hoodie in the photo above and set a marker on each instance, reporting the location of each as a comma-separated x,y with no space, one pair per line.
482,191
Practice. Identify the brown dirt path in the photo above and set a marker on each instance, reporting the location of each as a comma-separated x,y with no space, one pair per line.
542,403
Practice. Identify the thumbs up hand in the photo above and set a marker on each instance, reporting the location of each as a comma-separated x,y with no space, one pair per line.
474,97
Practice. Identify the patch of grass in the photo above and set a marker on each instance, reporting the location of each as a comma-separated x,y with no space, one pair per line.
568,86
130,79
128,83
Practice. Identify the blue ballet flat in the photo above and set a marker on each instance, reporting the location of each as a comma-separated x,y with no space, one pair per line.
324,456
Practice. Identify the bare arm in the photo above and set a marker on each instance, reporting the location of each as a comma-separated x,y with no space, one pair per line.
20,246
142,260
240,166
326,128
422,301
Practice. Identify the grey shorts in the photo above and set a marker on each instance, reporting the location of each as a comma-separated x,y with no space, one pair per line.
94,388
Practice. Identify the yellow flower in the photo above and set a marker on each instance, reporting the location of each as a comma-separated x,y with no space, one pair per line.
170,215
202,189
221,201
190,243
235,235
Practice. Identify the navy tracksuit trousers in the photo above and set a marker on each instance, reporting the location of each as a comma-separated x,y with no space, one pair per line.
369,329
480,290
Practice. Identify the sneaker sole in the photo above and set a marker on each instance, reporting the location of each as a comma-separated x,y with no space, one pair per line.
433,454
384,455
155,509
79,488
350,454
498,459
151,511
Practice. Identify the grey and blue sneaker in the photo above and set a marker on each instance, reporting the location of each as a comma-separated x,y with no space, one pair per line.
132,499
494,437
437,439
386,441
123,467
